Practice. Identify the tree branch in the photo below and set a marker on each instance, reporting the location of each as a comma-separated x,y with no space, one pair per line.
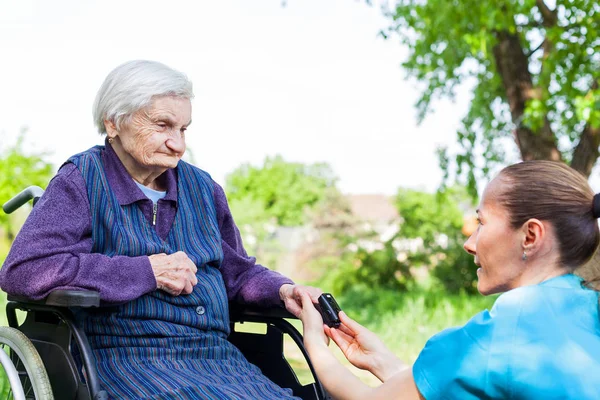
586,151
550,17
536,49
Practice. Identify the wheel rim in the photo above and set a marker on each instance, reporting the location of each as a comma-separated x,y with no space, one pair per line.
27,369
23,375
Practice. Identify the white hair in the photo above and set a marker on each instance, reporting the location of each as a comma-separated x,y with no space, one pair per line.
131,87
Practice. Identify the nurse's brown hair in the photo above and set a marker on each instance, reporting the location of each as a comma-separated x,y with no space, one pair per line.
553,192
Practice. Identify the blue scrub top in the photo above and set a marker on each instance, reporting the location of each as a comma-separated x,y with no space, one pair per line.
537,342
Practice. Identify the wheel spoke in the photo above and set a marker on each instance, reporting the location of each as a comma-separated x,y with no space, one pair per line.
27,384
18,364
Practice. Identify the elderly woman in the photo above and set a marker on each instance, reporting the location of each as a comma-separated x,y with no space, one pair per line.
155,237
541,339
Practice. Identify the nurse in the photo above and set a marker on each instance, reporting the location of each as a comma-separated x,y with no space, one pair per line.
541,339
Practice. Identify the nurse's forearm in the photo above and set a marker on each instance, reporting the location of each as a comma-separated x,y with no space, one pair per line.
387,365
339,382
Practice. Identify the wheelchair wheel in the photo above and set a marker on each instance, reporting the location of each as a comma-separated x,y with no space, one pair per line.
25,359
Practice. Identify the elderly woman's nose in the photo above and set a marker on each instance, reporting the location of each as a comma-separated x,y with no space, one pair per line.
176,144
176,141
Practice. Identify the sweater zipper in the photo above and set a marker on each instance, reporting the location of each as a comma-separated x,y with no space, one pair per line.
154,210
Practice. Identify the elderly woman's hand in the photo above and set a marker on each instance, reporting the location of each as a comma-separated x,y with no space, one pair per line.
175,273
291,295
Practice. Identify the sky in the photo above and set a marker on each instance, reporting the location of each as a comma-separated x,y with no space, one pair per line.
312,81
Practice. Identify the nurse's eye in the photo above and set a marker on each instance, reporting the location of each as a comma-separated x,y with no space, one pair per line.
479,221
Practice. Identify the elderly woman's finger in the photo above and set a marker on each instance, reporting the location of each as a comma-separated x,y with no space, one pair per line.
188,288
313,292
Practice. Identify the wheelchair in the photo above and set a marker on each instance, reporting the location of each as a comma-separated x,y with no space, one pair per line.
39,356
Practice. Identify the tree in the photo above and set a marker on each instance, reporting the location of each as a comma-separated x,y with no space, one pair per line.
535,65
281,190
17,171
278,193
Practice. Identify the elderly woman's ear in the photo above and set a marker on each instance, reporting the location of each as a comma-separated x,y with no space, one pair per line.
111,128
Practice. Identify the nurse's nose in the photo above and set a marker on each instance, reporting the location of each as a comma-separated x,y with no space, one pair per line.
469,245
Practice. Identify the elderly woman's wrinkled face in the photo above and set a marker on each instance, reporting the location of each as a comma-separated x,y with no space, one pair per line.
495,245
154,137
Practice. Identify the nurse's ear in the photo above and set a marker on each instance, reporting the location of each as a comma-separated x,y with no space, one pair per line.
534,237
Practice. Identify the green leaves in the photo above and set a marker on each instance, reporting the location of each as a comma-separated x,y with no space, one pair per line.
588,108
17,171
452,42
425,215
284,190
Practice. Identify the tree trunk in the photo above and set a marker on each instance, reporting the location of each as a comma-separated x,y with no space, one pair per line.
513,67
591,271
586,153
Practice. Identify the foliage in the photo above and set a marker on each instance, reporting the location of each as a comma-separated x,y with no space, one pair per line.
429,237
17,171
357,265
535,71
284,190
354,252
437,220
256,228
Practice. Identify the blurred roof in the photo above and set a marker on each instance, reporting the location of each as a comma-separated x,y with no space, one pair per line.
373,207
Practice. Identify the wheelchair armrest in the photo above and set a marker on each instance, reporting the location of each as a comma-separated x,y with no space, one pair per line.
64,298
239,312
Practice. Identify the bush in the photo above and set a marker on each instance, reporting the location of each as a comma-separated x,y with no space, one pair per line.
377,269
438,219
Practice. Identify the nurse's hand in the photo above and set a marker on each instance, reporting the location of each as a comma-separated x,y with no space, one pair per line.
312,323
175,273
364,349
